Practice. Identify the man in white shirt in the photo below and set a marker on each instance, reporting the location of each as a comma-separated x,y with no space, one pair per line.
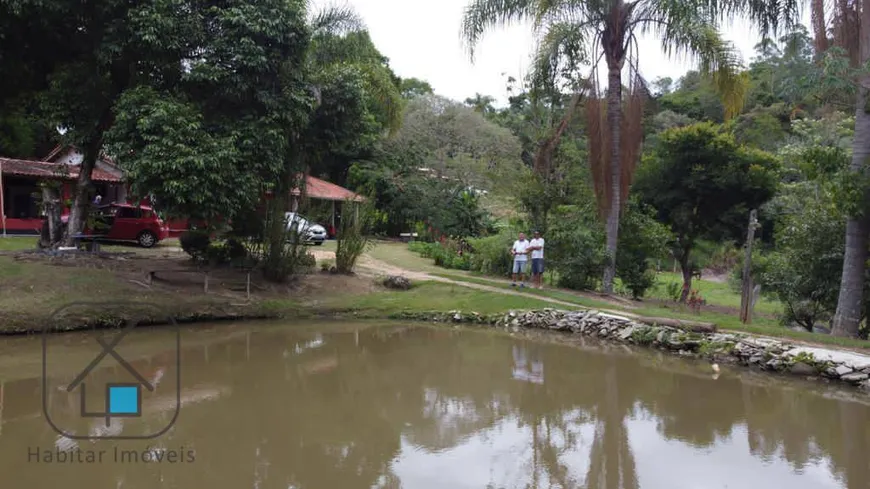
519,252
536,247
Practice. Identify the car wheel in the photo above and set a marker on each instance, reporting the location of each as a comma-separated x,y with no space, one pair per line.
318,243
147,239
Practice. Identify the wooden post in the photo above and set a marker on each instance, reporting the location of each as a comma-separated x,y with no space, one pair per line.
2,202
746,298
205,285
248,285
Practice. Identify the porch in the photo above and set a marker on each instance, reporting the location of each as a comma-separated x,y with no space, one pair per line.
20,192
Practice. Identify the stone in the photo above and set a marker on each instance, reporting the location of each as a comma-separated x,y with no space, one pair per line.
801,368
865,385
842,370
396,282
855,361
756,359
855,377
626,333
819,329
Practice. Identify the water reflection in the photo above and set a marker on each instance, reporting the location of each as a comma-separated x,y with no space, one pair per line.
419,407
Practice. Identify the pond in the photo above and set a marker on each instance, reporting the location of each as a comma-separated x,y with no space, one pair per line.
367,405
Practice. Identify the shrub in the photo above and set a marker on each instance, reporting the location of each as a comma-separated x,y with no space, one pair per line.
236,250
217,254
576,247
352,239
490,255
195,243
642,240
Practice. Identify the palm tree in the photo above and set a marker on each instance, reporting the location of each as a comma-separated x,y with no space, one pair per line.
608,29
481,103
850,21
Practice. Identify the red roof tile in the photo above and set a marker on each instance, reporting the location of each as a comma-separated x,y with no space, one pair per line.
42,169
316,188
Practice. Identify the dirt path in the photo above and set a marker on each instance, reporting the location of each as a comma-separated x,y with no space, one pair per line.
373,267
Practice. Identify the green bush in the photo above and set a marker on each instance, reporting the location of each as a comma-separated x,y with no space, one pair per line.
575,247
217,254
490,255
805,270
236,250
195,243
642,239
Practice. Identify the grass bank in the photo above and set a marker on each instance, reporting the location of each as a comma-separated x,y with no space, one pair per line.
33,287
760,326
719,295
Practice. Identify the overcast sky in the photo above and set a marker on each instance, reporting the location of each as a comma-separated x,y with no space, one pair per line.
421,39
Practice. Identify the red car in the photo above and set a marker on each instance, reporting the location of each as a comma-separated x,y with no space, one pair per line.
124,222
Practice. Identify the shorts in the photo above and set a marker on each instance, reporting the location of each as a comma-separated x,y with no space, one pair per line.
520,266
537,266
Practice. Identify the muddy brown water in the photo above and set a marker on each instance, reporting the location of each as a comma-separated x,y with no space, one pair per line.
364,405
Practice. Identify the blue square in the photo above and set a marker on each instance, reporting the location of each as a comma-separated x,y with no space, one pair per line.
124,399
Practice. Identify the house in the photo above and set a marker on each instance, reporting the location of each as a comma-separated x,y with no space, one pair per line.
72,156
20,192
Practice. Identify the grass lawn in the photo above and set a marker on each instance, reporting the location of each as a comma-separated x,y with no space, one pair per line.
398,255
433,296
33,290
715,293
17,243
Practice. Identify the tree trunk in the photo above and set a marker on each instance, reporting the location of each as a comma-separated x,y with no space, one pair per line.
820,31
850,301
686,268
81,196
53,229
614,121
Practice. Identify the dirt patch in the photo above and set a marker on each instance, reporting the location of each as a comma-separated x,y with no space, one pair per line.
321,285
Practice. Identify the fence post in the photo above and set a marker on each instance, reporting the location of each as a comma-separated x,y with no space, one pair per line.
746,297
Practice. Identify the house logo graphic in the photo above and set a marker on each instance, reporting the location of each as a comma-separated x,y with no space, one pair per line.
124,391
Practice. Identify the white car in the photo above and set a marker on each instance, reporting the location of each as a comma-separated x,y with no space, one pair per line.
310,232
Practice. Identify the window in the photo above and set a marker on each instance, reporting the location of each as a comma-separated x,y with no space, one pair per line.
129,213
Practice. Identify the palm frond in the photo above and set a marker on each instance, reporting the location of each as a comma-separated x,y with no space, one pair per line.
769,16
337,20
560,42
693,36
481,15
384,94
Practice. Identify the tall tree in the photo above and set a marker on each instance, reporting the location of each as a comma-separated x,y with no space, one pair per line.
414,87
703,185
610,28
853,33
360,98
481,103
209,146
88,54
